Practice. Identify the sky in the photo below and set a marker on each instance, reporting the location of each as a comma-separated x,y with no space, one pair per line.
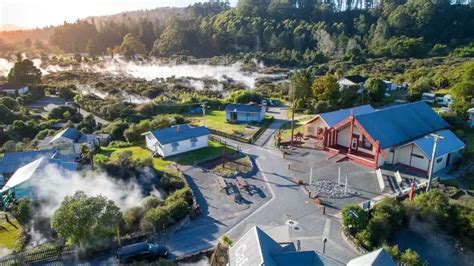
40,13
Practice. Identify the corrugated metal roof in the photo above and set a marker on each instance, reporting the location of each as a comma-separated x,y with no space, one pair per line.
34,169
179,133
247,108
13,160
378,257
333,118
449,143
401,124
69,133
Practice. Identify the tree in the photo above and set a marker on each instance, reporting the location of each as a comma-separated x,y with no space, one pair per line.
220,256
83,220
9,102
325,88
131,46
432,204
302,82
24,72
375,89
23,211
354,218
410,257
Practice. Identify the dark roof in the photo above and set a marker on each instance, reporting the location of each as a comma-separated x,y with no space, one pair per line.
356,78
401,124
333,118
178,133
8,86
13,160
449,143
247,108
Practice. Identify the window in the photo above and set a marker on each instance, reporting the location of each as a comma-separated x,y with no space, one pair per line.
365,143
439,160
175,146
193,142
417,156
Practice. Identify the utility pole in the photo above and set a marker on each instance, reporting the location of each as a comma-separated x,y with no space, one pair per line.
292,112
204,113
436,138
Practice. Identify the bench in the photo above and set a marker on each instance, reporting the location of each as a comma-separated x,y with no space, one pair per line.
241,183
222,183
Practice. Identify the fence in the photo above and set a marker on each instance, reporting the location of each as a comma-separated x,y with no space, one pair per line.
35,256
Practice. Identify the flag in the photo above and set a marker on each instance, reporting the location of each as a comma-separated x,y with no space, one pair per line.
412,190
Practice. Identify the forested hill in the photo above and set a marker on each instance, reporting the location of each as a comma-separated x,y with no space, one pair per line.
295,31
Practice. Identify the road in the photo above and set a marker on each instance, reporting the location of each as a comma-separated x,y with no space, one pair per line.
287,202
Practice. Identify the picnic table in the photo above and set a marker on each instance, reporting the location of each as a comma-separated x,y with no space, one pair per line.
241,183
222,183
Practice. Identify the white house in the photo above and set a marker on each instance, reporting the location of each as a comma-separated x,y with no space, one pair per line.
176,139
13,90
390,86
246,113
349,81
69,141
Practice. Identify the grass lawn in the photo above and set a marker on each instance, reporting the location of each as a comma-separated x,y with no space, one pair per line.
159,163
286,129
8,233
215,120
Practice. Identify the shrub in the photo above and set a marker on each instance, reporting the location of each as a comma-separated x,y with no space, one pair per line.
119,144
132,217
432,204
156,218
177,209
411,258
23,211
151,202
171,182
354,219
183,193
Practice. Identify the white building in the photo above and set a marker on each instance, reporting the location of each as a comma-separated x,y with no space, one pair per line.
13,90
176,139
350,81
69,141
245,113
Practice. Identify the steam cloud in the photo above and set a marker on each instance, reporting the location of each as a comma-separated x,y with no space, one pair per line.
155,69
54,184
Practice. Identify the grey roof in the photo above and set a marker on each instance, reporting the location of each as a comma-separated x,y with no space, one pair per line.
378,257
69,133
258,248
179,133
245,108
13,160
400,124
449,143
356,78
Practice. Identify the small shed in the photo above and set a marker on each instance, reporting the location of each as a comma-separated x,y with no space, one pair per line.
246,113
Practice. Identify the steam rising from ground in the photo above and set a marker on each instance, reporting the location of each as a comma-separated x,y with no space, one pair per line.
154,69
54,184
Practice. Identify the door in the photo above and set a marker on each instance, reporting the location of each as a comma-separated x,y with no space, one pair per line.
448,159
354,142
233,116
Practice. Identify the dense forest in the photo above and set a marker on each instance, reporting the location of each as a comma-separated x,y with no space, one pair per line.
292,32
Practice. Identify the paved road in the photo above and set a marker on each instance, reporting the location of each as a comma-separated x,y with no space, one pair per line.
267,136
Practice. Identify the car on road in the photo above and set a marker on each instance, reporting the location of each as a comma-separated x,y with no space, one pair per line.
141,251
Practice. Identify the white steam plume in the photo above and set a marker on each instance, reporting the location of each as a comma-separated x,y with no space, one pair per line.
54,184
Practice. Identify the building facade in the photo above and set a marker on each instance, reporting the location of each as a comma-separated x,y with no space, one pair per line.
244,113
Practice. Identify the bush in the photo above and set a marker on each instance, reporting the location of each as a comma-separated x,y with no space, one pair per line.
411,258
119,144
132,218
23,211
156,218
432,204
151,202
354,219
183,193
171,182
177,209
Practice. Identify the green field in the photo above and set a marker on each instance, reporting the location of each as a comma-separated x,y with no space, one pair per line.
9,233
160,164
286,129
215,120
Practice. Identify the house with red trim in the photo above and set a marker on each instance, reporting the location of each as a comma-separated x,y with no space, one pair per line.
398,135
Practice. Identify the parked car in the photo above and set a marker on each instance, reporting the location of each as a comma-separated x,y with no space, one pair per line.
141,251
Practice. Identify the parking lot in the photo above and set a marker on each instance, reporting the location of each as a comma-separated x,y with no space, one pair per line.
362,182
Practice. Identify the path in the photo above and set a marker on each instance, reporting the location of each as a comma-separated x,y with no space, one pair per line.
279,115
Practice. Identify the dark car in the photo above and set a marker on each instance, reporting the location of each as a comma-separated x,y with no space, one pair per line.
141,251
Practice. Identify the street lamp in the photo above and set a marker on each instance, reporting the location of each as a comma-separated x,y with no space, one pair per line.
324,245
436,138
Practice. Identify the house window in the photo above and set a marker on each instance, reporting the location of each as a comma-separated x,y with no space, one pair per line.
175,146
365,143
193,142
417,156
439,160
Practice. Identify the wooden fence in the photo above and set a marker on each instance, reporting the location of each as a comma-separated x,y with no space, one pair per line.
35,256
